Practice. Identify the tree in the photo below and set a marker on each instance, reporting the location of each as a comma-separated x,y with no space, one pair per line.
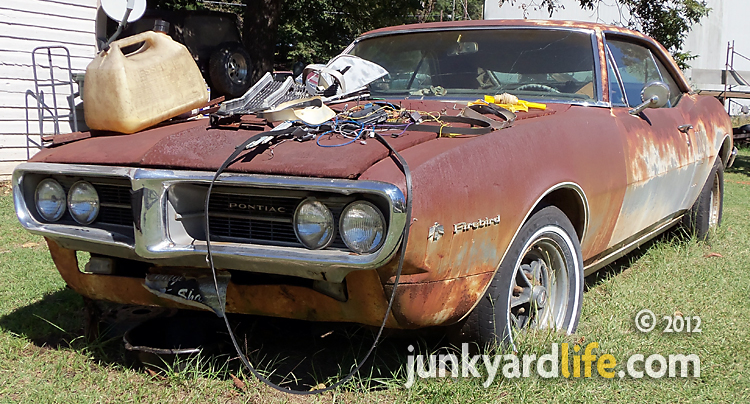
315,31
278,33
260,23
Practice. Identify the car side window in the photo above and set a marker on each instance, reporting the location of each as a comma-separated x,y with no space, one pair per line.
636,67
674,90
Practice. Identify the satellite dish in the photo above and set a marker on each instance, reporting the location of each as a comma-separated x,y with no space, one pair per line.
116,9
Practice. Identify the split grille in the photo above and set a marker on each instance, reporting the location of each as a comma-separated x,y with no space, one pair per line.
259,231
115,204
259,219
234,216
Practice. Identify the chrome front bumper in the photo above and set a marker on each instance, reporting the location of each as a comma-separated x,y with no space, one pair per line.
158,232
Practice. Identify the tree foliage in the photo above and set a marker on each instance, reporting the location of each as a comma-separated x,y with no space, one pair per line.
315,31
278,33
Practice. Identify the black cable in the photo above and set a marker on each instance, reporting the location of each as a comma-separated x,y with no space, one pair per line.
404,238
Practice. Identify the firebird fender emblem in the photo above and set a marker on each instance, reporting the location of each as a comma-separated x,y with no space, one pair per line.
486,222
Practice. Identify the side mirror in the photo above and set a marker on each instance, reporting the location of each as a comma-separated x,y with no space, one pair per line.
654,95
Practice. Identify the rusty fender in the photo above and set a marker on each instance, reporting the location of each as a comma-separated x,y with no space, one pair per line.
504,173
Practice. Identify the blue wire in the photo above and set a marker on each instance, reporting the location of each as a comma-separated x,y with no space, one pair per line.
336,123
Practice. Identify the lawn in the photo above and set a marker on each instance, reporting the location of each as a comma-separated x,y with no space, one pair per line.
44,357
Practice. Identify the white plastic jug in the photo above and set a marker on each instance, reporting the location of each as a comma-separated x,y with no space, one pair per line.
128,93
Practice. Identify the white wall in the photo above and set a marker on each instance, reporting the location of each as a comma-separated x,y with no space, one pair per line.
25,25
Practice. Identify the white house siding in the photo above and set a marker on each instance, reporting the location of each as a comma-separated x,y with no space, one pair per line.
25,25
726,23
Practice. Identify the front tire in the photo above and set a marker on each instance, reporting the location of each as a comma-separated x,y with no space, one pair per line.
538,285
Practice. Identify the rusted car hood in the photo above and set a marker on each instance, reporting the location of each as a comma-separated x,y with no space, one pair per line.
196,146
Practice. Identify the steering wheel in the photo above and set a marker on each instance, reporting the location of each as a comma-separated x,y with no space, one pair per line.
537,87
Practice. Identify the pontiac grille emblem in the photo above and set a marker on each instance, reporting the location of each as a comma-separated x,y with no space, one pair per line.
257,208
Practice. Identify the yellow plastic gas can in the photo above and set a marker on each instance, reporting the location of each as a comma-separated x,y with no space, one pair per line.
130,92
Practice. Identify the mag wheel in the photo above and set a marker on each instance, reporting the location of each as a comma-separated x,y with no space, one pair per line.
230,70
539,284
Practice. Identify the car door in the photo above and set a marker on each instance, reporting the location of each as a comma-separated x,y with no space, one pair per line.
657,142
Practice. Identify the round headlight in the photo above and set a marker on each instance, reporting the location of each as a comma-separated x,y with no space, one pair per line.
50,200
313,224
362,227
83,202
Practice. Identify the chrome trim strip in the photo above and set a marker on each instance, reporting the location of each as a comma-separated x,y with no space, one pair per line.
599,102
628,247
152,241
473,28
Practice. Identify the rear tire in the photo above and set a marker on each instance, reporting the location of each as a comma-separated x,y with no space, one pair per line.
539,284
705,215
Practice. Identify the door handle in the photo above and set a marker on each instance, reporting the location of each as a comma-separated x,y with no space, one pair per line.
685,129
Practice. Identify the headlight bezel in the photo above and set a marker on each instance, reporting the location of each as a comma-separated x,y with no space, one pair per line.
97,205
327,239
384,225
64,199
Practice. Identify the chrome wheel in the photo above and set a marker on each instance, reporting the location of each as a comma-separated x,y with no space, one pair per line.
237,68
539,283
539,291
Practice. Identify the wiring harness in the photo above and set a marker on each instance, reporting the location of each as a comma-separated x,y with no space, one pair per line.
370,120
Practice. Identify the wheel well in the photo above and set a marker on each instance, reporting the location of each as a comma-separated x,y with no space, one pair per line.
725,150
571,203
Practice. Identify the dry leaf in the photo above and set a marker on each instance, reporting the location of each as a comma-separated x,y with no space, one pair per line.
713,254
30,244
319,386
154,374
581,340
678,314
238,383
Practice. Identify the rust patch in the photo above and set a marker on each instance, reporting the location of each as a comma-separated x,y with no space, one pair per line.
505,173
367,301
437,303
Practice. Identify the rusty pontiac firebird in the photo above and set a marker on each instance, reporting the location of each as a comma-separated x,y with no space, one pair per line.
608,148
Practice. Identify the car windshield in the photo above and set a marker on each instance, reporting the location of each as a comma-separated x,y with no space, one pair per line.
543,64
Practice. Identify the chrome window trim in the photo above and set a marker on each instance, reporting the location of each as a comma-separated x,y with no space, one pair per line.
152,242
599,102
611,60
475,28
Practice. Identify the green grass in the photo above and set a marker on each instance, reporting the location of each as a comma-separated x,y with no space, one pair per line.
44,359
